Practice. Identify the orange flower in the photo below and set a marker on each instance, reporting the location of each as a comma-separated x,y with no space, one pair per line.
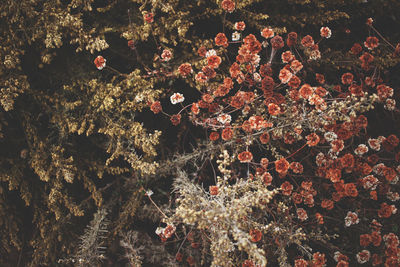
267,178
365,240
213,190
287,188
350,190
305,91
176,119
221,40
371,42
264,138
214,61
156,107
307,41
148,17
267,32
281,166
185,69
312,139
320,218
227,134
327,204
256,235
264,163
214,136
100,62
228,5
245,156
274,109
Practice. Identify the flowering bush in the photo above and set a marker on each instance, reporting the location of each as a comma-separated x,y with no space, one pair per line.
199,133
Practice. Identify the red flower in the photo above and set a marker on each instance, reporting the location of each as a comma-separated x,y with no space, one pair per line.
267,32
214,136
202,51
281,166
350,190
287,188
319,259
185,69
307,41
291,39
227,134
176,119
356,49
376,238
100,62
320,218
148,17
228,5
256,235
301,214
320,78
195,108
386,210
347,78
277,42
156,107
371,42
300,263
296,167
267,178
245,156
285,75
179,257
213,190
325,32
296,66
305,91
365,240
327,204
240,26
214,61
312,139
274,109
131,44
221,40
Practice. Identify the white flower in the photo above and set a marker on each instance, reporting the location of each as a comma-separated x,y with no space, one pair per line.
224,118
177,98
166,55
330,136
210,53
149,193
235,36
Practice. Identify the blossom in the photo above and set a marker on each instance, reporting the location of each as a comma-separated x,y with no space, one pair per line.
301,214
221,40
210,53
224,118
277,42
274,109
100,62
296,167
285,75
319,259
227,134
296,66
286,188
156,107
166,55
256,235
312,139
356,49
371,42
307,41
327,204
213,61
325,32
185,69
320,78
267,178
148,17
351,218
228,5
214,136
213,190
386,210
287,57
361,150
267,32
319,217
201,77
291,39
239,26
235,36
305,91
175,119
131,44
245,156
315,54
177,98
282,166
363,256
